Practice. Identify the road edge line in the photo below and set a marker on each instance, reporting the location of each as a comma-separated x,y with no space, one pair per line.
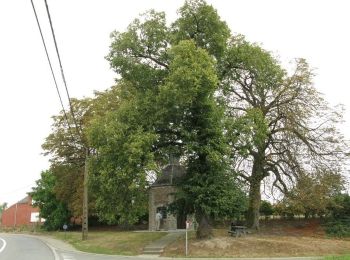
4,244
53,249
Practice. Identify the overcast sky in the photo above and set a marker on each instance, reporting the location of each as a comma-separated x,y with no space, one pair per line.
316,30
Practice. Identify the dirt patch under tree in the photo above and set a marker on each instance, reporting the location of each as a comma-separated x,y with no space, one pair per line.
275,239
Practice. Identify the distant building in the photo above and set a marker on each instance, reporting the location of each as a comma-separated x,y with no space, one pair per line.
161,195
21,213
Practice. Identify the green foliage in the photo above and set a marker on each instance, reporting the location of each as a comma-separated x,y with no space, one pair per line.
249,61
225,107
69,186
125,137
200,22
247,132
118,175
167,105
207,189
278,124
314,194
340,208
3,206
66,146
266,208
54,211
338,227
139,55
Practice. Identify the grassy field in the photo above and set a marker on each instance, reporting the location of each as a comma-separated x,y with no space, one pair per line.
109,242
287,239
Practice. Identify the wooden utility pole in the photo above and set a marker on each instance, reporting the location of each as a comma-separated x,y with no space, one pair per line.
15,222
85,224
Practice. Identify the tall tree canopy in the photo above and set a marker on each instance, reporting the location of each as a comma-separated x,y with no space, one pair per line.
281,126
66,147
168,82
222,104
192,110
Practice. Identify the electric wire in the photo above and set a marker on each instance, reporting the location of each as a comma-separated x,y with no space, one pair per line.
48,59
78,129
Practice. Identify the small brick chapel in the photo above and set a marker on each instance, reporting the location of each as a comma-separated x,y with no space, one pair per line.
161,195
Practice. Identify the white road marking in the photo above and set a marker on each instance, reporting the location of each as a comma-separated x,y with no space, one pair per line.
67,257
57,257
3,246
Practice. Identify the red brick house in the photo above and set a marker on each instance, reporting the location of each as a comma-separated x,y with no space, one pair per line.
21,213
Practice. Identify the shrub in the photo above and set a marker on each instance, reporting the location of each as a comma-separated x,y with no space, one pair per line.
266,209
338,227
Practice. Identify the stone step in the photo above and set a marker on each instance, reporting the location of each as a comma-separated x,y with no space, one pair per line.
152,251
157,247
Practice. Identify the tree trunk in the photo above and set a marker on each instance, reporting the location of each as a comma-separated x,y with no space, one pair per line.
253,213
204,230
257,176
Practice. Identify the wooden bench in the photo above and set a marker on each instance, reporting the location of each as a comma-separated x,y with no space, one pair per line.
238,230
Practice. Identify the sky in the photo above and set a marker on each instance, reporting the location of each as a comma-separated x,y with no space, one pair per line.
316,30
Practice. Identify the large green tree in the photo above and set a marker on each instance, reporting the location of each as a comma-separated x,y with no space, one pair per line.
66,146
191,109
280,127
53,210
122,157
168,105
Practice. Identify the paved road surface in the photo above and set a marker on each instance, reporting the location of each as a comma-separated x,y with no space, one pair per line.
22,247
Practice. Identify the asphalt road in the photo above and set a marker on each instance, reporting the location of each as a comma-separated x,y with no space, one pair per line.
22,247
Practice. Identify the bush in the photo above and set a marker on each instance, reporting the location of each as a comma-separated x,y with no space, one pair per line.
338,227
341,206
266,209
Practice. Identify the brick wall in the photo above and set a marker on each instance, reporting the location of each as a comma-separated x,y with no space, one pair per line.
18,215
161,196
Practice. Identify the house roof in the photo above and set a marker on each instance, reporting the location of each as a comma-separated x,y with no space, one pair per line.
170,175
25,200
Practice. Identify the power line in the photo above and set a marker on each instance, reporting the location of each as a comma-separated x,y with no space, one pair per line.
61,67
79,131
48,59
16,190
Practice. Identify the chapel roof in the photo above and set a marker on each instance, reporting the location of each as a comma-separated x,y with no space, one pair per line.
170,175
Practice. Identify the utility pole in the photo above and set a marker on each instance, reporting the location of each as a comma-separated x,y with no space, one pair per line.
15,222
85,225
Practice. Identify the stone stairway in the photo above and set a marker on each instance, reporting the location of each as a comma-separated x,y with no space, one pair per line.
157,247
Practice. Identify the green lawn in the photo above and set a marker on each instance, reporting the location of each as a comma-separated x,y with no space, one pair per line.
341,257
109,242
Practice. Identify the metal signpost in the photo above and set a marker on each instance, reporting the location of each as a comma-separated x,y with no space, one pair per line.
65,227
188,224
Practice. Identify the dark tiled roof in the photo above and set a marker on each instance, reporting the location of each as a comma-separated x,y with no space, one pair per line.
26,200
170,175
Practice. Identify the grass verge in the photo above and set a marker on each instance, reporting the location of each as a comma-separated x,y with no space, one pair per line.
339,257
112,243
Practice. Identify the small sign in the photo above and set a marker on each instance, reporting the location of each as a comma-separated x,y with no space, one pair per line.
65,227
188,224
